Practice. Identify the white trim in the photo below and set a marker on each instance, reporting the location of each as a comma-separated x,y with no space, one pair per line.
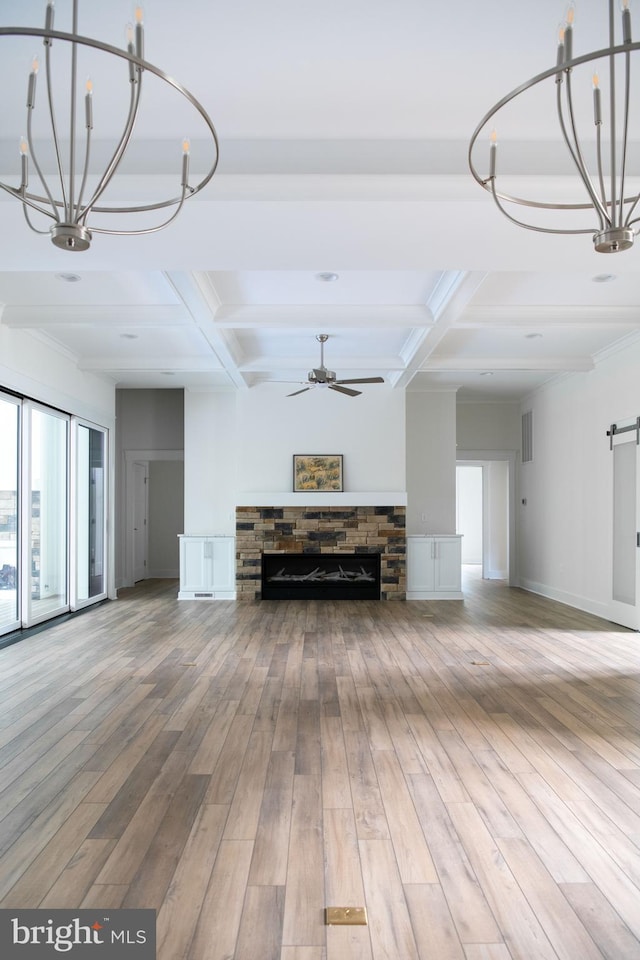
585,604
429,595
396,498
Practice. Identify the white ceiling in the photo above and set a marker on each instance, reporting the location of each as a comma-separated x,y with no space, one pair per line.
344,131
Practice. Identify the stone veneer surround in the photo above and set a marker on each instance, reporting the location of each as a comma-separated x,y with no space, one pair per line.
340,529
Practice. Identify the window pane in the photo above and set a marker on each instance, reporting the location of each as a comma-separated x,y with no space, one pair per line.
9,422
48,515
90,518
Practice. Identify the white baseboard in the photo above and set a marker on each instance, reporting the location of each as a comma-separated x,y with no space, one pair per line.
434,595
571,600
206,595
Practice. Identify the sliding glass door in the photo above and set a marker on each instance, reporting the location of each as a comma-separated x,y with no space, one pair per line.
9,512
46,514
90,514
53,513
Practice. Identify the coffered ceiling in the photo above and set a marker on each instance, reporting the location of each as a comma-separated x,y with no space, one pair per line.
344,131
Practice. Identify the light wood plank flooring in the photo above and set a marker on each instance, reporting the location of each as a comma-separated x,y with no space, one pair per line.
468,771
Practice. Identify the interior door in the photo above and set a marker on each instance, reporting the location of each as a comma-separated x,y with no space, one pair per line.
140,527
625,579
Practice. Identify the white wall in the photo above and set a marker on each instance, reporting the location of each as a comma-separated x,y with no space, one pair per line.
565,528
238,444
431,462
211,438
33,368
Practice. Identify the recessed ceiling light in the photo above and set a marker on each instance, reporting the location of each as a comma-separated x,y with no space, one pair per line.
129,336
327,277
533,336
604,277
68,277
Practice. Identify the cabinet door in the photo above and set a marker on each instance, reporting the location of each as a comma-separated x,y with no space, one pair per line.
448,570
420,563
196,566
224,564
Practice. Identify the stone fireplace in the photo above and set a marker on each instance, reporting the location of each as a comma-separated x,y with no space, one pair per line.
334,530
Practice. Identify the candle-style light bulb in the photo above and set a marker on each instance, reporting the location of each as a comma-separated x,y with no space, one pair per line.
560,57
493,149
88,104
24,163
48,21
130,35
597,107
186,148
138,16
626,21
31,88
568,31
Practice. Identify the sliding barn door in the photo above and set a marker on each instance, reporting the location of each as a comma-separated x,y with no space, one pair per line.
625,579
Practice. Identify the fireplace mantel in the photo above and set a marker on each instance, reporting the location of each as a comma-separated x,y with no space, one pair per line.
314,499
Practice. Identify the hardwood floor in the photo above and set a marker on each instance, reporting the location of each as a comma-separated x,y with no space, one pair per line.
467,770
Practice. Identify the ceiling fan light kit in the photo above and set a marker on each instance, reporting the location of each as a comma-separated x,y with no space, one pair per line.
613,208
67,198
327,379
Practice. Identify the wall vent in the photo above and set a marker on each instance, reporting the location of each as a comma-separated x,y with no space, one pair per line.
527,436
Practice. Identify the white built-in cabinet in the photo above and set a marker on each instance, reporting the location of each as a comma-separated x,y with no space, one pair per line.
434,567
207,568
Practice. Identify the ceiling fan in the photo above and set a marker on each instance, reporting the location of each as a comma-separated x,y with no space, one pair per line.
321,377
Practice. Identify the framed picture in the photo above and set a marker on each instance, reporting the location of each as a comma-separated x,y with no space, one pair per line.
317,472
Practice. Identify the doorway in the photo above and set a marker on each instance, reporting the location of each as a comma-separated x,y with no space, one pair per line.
469,510
485,495
154,514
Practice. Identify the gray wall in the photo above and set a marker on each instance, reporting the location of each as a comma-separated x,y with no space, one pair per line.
147,422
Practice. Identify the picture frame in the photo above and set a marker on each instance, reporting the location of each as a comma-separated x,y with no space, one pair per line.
317,473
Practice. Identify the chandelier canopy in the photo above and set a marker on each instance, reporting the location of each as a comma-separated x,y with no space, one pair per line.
74,194
608,208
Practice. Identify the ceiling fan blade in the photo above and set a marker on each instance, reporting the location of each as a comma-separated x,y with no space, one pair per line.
295,394
349,393
363,380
